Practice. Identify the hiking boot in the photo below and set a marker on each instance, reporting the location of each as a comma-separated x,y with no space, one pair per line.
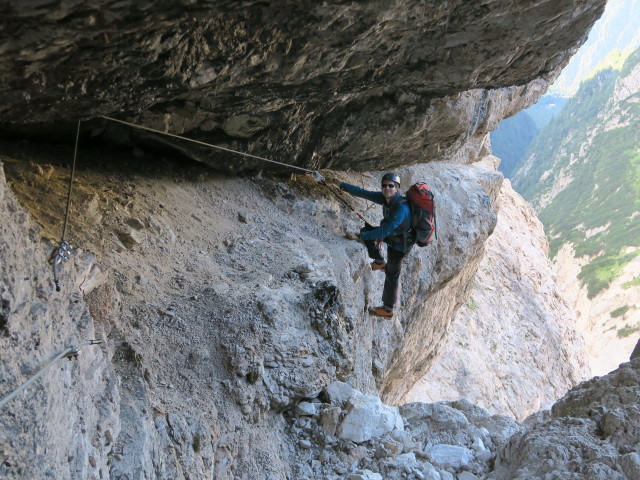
378,266
382,311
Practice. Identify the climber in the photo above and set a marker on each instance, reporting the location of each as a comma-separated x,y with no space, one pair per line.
393,230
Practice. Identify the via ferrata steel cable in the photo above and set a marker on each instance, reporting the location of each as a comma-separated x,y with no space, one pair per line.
70,352
160,132
63,251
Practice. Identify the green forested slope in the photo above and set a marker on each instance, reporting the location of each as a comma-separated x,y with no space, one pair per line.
590,154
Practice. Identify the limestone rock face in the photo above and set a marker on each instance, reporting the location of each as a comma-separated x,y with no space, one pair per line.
593,432
242,301
438,277
65,424
514,327
366,86
237,344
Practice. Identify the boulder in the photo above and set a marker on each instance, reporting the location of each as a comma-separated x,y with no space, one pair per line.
367,417
450,456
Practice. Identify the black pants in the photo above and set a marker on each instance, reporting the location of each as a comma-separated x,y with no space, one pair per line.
392,272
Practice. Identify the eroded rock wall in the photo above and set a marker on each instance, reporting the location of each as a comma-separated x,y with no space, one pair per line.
228,318
225,302
591,433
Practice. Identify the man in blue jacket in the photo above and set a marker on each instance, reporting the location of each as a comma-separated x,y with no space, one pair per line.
393,230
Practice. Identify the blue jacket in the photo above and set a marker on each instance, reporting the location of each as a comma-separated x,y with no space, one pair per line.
396,218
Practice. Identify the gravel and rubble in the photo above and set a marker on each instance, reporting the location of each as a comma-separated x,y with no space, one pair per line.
344,433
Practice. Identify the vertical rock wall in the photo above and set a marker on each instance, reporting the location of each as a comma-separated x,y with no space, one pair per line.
65,424
505,342
438,277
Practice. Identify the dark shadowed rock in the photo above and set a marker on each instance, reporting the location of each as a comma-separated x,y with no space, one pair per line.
360,85
636,351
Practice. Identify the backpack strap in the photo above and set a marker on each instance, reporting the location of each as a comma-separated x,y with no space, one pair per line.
402,237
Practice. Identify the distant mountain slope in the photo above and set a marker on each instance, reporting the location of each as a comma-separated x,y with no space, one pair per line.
611,38
545,109
619,27
583,174
513,136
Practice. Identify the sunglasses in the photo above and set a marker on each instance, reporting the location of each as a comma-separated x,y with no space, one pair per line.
388,185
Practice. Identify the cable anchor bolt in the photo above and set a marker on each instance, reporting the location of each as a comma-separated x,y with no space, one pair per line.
63,252
72,353
317,176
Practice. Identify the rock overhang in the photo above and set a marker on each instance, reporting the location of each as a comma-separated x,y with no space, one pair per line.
341,85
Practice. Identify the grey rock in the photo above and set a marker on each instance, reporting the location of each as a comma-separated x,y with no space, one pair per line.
135,223
572,435
436,423
430,472
330,419
478,444
484,455
84,396
392,446
404,438
636,351
450,456
130,239
306,408
368,418
243,217
303,443
630,464
405,460
380,452
467,476
364,475
339,393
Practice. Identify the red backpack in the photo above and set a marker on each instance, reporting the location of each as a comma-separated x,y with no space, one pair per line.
423,213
